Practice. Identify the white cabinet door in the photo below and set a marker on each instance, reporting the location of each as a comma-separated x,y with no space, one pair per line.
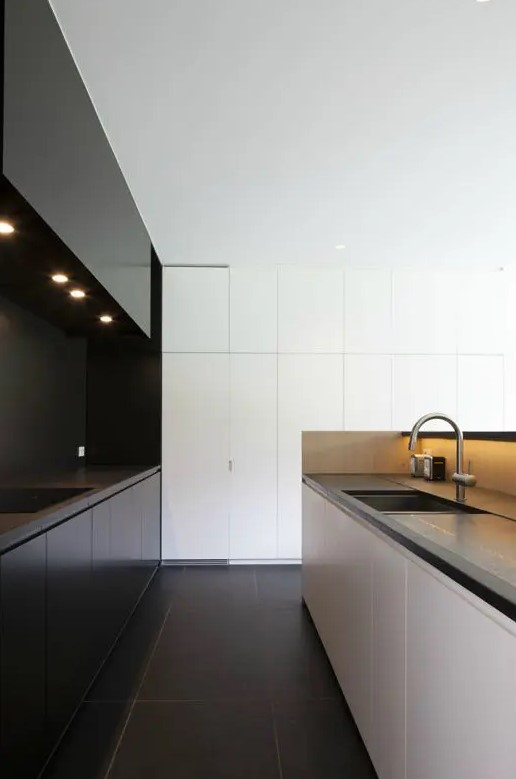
413,391
315,559
353,594
195,472
309,398
367,392
388,660
254,310
425,312
310,310
480,392
486,292
254,456
368,311
195,309
337,587
461,685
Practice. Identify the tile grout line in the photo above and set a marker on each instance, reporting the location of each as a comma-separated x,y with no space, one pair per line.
276,739
137,692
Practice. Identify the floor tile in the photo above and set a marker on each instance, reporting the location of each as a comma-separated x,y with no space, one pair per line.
298,667
231,642
318,740
206,655
123,671
88,745
206,588
168,579
216,740
279,586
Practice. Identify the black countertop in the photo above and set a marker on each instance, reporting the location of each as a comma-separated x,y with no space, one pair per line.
15,529
478,551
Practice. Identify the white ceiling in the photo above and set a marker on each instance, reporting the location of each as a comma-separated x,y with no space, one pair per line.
264,131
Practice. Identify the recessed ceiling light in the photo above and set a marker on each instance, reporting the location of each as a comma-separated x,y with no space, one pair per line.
6,228
59,278
106,319
78,293
340,247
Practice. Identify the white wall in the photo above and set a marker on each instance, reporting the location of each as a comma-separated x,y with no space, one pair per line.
263,131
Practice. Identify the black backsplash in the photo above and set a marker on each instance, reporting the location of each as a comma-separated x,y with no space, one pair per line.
124,392
42,394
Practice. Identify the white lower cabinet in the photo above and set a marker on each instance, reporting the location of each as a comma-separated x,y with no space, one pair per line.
387,746
337,590
461,685
428,669
316,561
352,573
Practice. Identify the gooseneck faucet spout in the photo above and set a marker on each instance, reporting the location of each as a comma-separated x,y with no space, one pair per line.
461,479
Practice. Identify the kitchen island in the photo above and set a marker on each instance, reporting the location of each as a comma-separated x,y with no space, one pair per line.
70,576
416,613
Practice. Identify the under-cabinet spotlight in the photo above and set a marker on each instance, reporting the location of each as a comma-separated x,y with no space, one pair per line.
77,293
106,319
6,228
60,278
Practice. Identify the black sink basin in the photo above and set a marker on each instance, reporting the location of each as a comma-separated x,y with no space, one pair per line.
25,500
411,502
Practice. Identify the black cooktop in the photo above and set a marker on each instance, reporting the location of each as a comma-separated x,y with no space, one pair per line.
25,500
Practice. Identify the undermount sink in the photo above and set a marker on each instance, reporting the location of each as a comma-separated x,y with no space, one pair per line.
410,502
26,500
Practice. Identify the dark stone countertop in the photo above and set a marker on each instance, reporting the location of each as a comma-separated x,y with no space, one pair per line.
15,529
478,551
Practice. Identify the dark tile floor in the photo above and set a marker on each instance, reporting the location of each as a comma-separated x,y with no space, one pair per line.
219,675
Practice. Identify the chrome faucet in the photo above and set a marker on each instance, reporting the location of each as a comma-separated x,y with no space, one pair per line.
462,480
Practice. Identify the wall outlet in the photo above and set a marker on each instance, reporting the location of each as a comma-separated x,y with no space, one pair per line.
81,451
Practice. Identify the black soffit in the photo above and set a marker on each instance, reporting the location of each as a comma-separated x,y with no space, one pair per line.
28,259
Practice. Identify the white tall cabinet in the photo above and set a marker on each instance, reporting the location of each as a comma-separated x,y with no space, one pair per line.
253,494
195,474
219,414
196,310
252,357
196,443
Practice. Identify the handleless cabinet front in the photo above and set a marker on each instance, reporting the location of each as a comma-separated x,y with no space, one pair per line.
126,549
22,659
70,613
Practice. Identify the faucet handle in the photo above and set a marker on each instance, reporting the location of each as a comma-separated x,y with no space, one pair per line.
466,479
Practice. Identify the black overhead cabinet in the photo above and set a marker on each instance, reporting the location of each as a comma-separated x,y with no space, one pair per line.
57,156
